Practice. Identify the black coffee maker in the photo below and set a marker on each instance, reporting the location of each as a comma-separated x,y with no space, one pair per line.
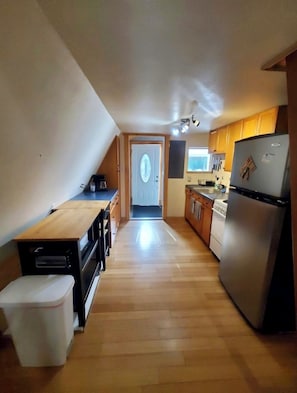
100,182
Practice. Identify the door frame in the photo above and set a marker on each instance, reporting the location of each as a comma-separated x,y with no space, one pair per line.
161,139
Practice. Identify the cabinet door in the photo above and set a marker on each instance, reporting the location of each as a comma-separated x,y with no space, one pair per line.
222,140
118,212
212,141
114,218
267,121
233,135
205,230
250,126
188,204
195,215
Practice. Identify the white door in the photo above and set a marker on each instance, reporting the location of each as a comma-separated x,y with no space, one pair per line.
145,163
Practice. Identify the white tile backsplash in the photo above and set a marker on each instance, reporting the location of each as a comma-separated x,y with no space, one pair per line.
220,175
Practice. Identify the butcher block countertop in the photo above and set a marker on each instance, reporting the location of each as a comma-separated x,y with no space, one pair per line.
63,224
84,204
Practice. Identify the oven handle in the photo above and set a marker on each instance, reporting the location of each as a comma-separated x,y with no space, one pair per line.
218,213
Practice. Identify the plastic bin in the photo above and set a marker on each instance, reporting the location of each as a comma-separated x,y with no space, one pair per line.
39,313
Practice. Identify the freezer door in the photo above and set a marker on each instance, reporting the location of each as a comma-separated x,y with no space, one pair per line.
261,164
250,244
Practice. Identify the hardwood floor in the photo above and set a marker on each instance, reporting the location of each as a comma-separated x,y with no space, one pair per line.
162,323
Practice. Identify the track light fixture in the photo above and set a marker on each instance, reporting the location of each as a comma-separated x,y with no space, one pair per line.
195,121
184,125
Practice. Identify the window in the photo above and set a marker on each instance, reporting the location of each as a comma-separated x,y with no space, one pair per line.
145,168
198,159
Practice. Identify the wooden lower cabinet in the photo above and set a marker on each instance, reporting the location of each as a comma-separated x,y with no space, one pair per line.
198,212
206,220
115,217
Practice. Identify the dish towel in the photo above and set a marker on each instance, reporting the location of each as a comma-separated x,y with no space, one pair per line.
193,200
197,210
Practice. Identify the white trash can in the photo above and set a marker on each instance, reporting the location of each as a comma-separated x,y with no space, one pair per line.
39,313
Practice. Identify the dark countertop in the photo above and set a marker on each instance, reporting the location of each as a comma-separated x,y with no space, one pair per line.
209,192
106,195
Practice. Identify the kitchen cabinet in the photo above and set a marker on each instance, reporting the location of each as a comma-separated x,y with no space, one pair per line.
206,220
198,212
267,121
217,140
221,140
65,242
212,141
233,135
191,213
188,203
250,126
115,217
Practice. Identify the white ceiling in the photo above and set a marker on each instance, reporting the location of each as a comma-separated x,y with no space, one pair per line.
149,59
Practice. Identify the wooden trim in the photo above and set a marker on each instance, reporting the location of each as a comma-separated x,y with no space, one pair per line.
279,62
166,169
292,123
128,140
127,176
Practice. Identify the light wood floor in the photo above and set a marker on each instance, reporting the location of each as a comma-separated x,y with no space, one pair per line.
162,323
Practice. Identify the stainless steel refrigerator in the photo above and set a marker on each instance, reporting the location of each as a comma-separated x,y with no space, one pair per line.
256,266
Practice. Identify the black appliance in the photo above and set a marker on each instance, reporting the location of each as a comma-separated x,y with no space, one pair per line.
100,182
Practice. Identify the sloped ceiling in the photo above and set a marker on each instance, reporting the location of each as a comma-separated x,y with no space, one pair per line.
149,59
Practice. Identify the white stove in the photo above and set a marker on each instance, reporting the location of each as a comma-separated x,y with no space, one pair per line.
217,226
220,205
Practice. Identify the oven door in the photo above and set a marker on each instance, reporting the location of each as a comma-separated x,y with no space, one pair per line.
217,233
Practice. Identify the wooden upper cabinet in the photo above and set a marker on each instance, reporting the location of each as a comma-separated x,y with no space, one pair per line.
250,126
222,140
233,135
267,121
217,140
212,141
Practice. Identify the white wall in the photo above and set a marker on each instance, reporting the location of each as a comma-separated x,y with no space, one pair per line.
54,129
176,187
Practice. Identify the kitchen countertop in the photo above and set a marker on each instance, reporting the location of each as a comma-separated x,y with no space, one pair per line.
64,224
85,204
209,192
95,196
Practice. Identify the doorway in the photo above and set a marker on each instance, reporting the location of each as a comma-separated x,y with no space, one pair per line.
146,177
145,181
